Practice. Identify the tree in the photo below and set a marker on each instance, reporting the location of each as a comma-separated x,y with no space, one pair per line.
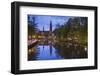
32,25
75,28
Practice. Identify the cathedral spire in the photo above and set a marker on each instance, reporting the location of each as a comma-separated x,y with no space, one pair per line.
51,26
43,28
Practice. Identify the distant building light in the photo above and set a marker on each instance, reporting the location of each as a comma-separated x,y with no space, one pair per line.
33,36
85,49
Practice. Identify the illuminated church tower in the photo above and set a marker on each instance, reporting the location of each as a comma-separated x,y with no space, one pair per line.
43,31
43,28
50,29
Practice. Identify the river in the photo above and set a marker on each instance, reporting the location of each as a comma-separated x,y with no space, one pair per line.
48,51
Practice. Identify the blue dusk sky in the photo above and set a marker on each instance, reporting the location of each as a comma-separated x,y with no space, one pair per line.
44,21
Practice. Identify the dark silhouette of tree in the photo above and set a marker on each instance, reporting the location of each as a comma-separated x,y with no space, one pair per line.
32,25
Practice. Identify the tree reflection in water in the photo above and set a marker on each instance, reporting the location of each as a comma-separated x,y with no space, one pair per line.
71,51
55,51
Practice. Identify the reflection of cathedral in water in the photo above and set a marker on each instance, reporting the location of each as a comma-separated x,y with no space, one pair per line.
48,37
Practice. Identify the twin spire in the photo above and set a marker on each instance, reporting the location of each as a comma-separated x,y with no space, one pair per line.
50,28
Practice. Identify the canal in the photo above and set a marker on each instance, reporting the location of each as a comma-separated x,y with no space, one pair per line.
56,51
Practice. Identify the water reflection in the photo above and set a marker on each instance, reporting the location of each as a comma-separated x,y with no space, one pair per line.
52,51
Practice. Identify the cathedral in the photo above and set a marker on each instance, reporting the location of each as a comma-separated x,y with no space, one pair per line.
46,34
